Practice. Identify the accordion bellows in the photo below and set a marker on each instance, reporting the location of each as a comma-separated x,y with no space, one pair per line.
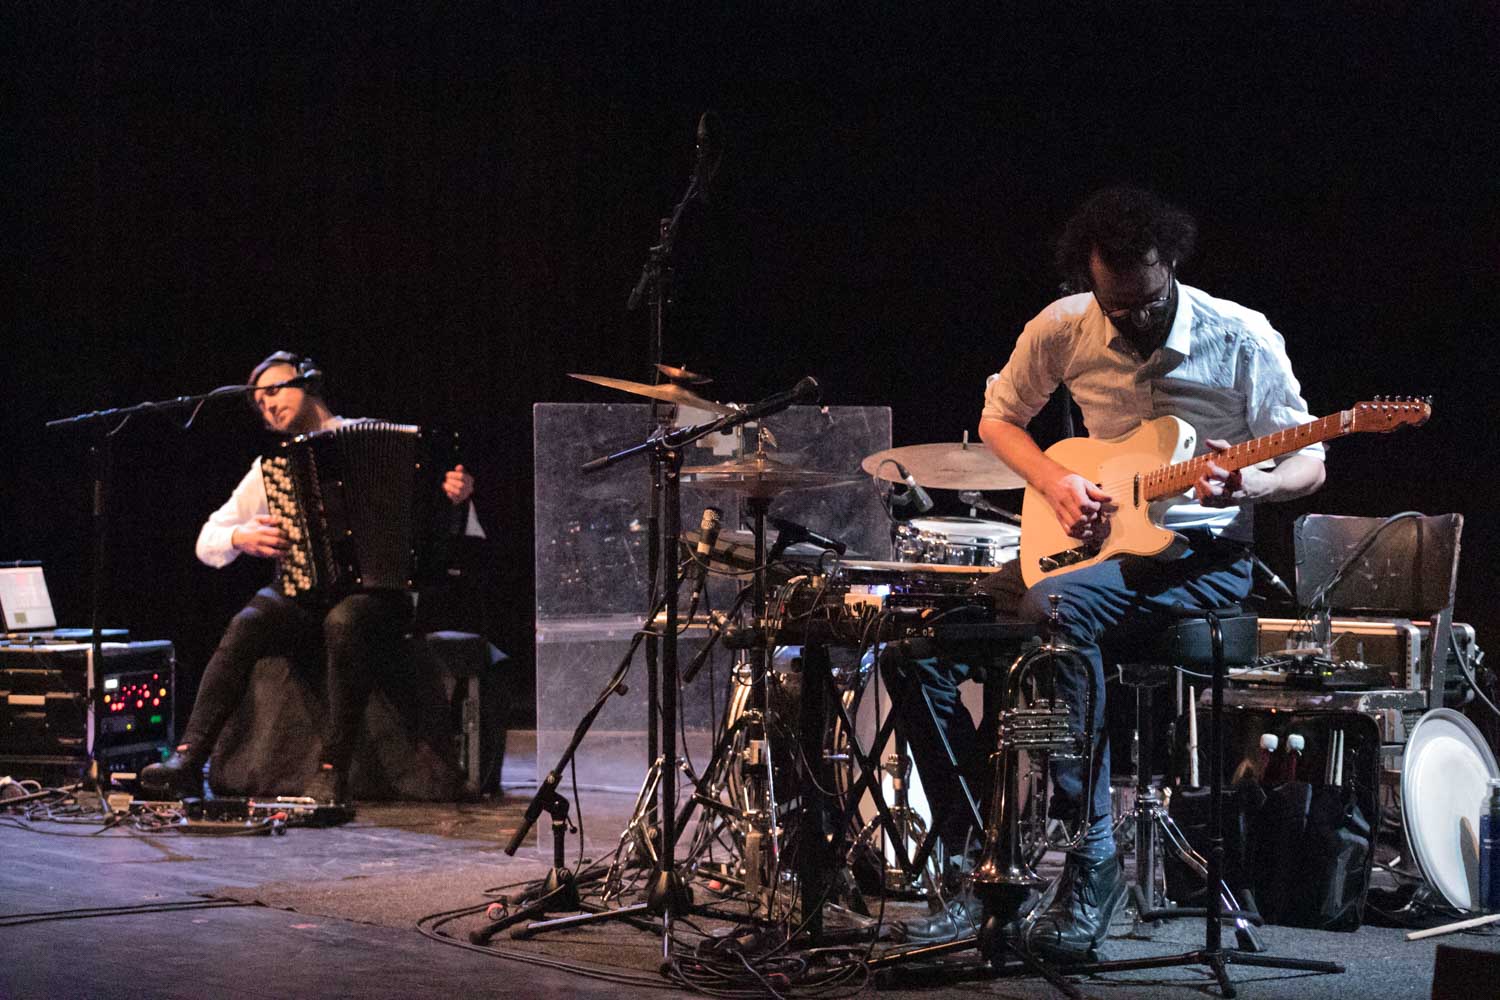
361,507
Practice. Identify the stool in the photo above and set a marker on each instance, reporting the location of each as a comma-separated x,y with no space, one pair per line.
1184,644
1207,639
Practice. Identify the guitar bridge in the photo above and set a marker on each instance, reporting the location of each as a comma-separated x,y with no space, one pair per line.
1067,557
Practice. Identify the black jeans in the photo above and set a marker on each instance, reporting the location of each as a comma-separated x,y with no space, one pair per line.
354,636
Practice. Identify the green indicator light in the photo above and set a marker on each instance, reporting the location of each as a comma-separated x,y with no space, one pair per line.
155,719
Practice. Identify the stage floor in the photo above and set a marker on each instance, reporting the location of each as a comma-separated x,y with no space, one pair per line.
335,913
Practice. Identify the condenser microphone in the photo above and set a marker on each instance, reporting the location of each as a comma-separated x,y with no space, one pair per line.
708,534
914,496
805,391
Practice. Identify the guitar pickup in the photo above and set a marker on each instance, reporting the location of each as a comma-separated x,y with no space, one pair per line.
1067,557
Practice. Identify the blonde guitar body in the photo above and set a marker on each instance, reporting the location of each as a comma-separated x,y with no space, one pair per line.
1119,466
1152,468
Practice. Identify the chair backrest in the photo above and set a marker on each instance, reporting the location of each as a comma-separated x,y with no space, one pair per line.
1410,570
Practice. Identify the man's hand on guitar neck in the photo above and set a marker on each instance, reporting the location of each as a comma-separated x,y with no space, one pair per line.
1296,476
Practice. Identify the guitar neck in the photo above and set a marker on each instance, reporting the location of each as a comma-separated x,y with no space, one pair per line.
1174,480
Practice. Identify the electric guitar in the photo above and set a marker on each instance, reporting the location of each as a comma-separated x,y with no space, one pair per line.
1152,468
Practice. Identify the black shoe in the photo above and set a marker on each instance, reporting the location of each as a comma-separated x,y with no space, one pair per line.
180,776
1074,926
327,785
961,916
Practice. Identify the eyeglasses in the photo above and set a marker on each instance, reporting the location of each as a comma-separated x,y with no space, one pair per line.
1142,314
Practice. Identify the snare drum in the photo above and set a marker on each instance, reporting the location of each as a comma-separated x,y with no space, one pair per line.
957,541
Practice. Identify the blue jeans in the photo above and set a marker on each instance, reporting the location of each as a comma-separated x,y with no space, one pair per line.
1108,605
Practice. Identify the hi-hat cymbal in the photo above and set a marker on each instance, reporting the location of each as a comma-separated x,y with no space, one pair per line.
667,392
760,476
945,467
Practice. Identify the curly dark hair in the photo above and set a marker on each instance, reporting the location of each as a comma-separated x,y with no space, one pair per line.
1123,223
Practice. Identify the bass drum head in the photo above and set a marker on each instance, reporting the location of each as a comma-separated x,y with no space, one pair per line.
1444,781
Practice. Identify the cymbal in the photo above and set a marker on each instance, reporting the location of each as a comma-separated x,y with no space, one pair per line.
945,467
683,376
668,392
760,476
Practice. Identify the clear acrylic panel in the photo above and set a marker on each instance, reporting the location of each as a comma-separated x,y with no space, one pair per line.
592,557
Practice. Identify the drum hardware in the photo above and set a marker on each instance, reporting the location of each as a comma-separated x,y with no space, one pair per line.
977,501
1152,823
669,894
910,826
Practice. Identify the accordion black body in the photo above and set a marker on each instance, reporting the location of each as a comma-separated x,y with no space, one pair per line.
362,508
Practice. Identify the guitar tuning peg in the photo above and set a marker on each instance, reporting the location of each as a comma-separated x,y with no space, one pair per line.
1380,399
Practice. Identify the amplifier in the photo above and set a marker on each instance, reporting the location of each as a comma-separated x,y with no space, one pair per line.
44,710
1395,647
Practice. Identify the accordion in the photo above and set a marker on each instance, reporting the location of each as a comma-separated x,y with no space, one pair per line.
362,508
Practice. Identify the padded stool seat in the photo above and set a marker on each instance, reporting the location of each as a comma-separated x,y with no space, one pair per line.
1189,643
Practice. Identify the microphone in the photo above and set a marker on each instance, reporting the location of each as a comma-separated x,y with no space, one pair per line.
301,378
913,496
708,534
709,150
1269,575
790,533
805,391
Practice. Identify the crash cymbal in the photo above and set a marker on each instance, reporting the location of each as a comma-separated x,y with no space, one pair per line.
759,475
960,466
667,392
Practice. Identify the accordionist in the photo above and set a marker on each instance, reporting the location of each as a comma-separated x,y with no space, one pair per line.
357,628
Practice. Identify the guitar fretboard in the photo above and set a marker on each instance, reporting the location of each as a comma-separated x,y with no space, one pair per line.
1174,480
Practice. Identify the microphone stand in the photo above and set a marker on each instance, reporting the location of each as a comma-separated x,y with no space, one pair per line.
655,286
101,461
668,896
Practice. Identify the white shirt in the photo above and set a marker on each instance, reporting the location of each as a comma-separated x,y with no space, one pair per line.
1222,368
215,545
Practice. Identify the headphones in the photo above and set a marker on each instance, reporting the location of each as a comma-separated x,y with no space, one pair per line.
307,371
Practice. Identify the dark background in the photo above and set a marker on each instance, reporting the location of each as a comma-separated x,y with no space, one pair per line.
447,205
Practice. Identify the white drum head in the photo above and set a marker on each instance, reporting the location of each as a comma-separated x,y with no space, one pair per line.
967,529
1444,782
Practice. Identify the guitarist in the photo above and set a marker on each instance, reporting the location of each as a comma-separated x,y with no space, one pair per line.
1137,344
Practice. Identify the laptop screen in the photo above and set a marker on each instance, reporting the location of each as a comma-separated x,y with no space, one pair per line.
24,599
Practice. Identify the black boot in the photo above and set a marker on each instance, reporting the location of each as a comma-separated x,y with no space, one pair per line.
180,776
960,917
1074,926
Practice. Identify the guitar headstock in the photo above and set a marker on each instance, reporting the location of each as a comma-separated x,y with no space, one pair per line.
1386,413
